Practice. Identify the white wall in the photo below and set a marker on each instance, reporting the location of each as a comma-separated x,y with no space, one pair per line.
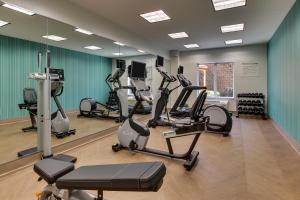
237,55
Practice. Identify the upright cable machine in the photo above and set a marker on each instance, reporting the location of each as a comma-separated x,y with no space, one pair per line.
44,112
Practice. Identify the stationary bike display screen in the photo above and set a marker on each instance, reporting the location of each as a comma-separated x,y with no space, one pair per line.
138,70
159,61
121,64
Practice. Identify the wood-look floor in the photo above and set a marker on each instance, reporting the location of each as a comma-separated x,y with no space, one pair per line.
13,140
254,163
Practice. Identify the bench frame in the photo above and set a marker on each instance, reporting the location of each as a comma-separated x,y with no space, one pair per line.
64,194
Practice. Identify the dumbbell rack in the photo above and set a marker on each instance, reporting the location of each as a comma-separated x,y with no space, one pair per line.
251,104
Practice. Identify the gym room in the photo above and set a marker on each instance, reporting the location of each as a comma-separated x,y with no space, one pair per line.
136,99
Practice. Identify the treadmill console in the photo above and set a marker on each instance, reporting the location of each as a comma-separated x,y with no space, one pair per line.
121,64
159,61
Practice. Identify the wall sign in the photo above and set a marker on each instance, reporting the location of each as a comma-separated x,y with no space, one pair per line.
249,69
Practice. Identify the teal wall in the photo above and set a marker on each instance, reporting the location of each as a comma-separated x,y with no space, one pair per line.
284,74
84,74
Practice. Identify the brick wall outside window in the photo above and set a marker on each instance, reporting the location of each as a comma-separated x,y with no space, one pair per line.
223,73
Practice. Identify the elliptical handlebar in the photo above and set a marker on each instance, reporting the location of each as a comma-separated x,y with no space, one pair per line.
141,97
168,77
60,91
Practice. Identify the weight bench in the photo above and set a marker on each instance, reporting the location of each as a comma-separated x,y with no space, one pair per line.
141,177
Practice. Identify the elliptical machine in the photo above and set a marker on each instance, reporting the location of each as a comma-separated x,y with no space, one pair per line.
162,97
60,122
220,120
139,81
134,135
89,107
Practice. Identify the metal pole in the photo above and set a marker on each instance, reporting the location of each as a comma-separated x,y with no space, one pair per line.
46,116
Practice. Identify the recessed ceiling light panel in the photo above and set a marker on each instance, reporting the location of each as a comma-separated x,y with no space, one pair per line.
3,23
178,35
141,51
189,46
231,42
226,4
80,30
17,8
93,47
118,54
232,28
54,37
119,43
155,16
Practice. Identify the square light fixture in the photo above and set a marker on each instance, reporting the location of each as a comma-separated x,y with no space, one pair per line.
189,46
119,43
232,28
155,16
3,23
141,51
231,42
80,30
54,37
93,47
17,8
118,54
226,4
178,35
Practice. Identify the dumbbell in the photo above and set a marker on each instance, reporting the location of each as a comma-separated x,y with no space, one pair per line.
249,103
256,111
245,111
261,95
251,111
258,103
240,110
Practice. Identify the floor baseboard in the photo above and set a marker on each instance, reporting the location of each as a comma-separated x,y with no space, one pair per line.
292,142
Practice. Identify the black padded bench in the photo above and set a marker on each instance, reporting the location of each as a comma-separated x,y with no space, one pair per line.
146,176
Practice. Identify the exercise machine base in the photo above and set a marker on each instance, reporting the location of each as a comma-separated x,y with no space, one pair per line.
27,152
34,150
190,159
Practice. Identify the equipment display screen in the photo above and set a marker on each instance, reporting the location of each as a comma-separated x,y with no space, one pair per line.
138,70
180,70
159,61
58,72
121,64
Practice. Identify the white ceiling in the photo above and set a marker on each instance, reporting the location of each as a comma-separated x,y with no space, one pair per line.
32,28
196,17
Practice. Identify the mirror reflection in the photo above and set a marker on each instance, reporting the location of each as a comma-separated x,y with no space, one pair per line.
84,101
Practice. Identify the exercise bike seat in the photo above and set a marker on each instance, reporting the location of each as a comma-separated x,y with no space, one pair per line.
50,170
115,177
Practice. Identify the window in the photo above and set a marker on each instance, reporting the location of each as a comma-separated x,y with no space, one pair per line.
218,78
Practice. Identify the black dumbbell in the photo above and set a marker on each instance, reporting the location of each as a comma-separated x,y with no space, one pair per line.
251,111
261,95
256,111
249,102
